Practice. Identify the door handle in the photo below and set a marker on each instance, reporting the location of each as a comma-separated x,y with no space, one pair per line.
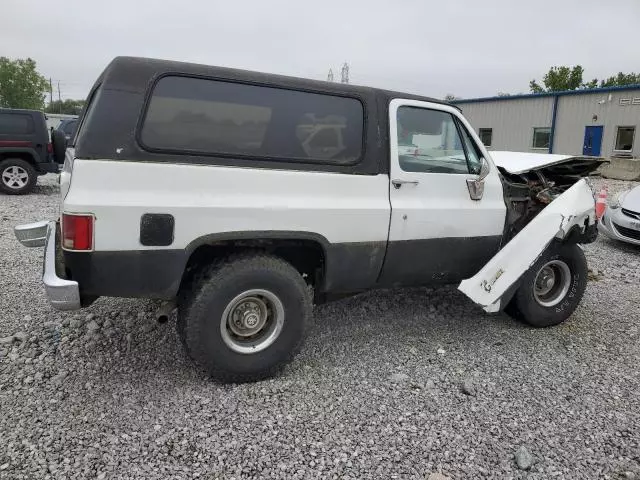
399,183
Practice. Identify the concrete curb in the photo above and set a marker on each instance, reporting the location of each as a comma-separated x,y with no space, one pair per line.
622,169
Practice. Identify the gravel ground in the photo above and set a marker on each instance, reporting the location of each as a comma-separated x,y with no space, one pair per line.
403,384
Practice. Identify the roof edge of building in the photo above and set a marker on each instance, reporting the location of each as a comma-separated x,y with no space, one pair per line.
546,94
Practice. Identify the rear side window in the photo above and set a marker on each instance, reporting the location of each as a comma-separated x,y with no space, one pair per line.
89,112
193,115
16,124
70,127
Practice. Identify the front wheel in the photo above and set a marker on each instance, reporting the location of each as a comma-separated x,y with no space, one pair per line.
244,318
552,288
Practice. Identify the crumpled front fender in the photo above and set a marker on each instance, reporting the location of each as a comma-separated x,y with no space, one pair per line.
571,211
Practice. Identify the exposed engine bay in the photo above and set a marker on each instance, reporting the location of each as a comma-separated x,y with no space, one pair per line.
533,181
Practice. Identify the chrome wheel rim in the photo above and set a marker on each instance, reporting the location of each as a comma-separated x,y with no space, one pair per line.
552,283
15,177
252,321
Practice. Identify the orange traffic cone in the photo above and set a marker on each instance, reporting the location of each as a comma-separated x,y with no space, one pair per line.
601,202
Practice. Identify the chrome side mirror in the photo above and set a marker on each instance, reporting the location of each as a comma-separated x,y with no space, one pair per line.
476,185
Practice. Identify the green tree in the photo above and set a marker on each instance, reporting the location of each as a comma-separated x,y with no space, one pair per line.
562,78
21,86
621,79
449,97
69,107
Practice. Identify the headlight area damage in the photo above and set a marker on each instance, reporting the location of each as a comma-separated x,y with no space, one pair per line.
547,199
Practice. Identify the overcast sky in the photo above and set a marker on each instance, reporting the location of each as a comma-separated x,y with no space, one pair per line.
467,48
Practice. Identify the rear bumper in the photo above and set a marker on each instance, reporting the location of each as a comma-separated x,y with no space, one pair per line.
63,294
32,234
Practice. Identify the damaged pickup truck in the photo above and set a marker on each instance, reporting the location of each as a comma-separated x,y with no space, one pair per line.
242,198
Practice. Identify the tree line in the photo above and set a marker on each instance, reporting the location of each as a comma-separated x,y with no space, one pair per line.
563,78
22,86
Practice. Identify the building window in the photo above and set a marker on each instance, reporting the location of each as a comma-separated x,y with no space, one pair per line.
486,135
541,137
624,139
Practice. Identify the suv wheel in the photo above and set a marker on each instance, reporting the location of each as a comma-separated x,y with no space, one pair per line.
17,176
244,319
552,288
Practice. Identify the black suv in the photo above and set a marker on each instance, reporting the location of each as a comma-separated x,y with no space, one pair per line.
68,127
26,149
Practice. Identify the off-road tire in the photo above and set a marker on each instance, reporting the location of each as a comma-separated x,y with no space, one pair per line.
27,167
204,299
524,305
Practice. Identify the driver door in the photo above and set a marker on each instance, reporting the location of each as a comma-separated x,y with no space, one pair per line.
442,229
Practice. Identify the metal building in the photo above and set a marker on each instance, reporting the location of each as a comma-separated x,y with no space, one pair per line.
598,122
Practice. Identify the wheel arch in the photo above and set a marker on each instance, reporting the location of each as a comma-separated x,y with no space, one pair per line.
27,154
306,251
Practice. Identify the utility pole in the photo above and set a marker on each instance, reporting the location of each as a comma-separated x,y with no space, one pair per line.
50,93
59,99
344,73
330,76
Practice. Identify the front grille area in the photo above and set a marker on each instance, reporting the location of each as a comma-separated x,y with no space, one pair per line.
627,232
631,214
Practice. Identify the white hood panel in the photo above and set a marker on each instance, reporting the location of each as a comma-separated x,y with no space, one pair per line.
521,162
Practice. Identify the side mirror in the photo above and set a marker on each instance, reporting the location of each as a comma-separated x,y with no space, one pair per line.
59,144
476,185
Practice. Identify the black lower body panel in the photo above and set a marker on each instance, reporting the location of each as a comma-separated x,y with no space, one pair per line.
434,261
144,273
349,267
352,267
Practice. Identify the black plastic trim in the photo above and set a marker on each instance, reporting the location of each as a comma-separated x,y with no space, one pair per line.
156,229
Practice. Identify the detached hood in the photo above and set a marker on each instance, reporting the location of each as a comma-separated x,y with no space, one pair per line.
566,165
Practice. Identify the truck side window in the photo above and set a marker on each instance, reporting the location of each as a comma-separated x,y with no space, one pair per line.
204,116
429,142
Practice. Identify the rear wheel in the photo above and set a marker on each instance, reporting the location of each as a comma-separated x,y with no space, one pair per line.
17,176
244,319
552,288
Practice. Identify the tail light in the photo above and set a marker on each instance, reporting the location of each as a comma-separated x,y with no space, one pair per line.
49,147
77,232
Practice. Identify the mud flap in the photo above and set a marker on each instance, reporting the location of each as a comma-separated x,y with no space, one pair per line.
575,207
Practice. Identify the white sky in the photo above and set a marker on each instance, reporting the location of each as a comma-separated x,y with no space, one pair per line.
467,48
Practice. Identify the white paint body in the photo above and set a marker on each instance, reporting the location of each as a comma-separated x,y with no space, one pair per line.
213,199
342,208
521,162
571,208
439,205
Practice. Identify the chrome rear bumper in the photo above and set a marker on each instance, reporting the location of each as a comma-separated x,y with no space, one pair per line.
32,234
63,294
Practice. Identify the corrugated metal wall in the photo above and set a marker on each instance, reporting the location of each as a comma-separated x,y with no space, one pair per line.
575,112
513,121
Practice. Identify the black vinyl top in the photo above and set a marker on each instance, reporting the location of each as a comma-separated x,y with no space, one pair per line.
134,73
112,121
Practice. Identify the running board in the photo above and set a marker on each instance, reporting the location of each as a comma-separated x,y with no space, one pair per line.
575,207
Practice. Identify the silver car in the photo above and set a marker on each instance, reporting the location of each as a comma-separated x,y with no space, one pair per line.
621,219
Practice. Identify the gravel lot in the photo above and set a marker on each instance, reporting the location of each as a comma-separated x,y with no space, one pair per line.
402,384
